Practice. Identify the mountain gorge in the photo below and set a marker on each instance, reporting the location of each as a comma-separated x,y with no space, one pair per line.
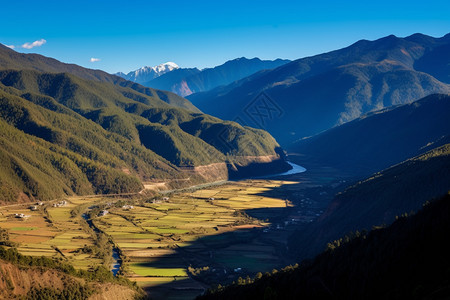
315,93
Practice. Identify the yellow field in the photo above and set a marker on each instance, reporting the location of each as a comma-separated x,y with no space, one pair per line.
50,231
148,234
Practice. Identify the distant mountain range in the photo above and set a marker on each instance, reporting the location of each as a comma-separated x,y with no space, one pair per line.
312,94
146,74
175,81
207,79
69,130
186,81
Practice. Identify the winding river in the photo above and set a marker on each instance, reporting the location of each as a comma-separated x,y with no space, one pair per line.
295,170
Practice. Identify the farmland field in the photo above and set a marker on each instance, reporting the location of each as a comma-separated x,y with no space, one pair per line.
185,240
51,231
165,239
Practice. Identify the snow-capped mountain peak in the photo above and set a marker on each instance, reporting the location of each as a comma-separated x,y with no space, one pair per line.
166,67
147,73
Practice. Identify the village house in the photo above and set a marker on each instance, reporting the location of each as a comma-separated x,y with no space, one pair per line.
22,216
60,204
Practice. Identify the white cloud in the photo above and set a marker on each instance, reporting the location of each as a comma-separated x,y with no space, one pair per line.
93,59
34,44
10,46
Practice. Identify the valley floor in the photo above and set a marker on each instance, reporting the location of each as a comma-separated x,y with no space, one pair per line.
177,244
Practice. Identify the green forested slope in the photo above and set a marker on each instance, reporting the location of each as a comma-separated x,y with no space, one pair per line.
108,137
12,60
46,154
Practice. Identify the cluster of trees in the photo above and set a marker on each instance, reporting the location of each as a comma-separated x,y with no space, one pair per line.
100,273
4,238
75,291
407,260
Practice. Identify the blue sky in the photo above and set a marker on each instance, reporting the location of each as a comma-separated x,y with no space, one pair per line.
125,35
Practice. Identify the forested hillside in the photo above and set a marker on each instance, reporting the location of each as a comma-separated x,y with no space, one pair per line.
63,134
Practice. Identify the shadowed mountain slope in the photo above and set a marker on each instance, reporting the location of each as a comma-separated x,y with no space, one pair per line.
316,93
377,200
380,139
407,260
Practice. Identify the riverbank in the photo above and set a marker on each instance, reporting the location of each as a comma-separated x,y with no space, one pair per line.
116,263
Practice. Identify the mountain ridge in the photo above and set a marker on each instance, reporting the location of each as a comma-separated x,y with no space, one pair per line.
195,80
378,199
12,60
318,92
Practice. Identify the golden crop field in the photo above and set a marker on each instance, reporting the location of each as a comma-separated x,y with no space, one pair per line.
50,231
157,237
